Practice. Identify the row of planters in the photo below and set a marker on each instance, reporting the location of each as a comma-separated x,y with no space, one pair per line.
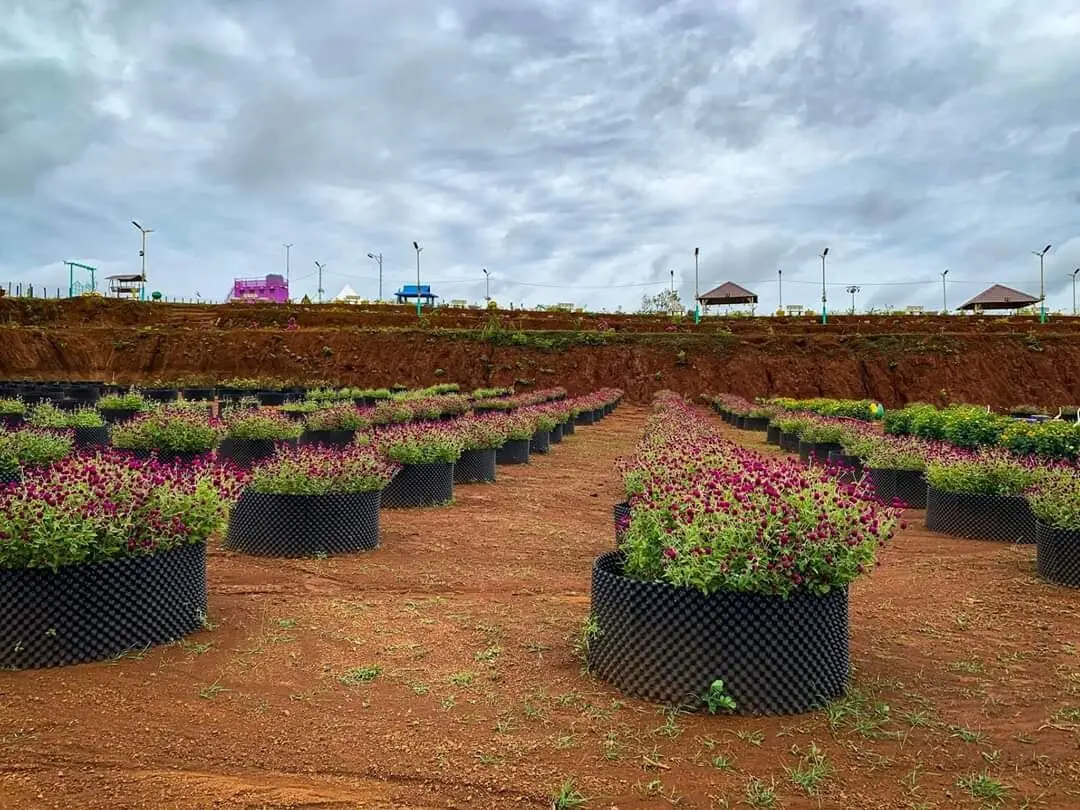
101,553
729,590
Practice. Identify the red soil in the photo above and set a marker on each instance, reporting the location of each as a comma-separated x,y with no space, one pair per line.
964,662
995,361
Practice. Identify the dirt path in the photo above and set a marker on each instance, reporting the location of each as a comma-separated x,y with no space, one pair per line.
438,672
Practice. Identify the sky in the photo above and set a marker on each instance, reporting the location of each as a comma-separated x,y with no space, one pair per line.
577,151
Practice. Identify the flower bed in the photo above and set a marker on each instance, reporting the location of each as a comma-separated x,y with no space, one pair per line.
31,448
171,434
427,453
481,437
121,407
1055,504
311,501
335,426
101,554
251,436
86,424
981,497
734,567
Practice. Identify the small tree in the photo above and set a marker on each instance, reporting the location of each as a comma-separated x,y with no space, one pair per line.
666,302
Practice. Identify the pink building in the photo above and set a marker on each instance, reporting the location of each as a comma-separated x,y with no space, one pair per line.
273,289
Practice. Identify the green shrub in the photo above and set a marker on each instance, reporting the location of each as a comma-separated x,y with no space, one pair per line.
987,475
1055,499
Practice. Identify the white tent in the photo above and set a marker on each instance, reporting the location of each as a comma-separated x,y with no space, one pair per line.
347,295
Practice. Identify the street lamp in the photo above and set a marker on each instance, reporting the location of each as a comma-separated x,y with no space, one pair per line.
824,317
672,280
288,247
697,292
1042,287
377,258
142,248
852,290
320,267
487,285
418,249
780,288
1074,272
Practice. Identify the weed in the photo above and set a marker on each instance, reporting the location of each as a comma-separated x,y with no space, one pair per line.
359,675
488,655
717,698
449,702
755,738
462,678
966,734
811,771
212,691
759,794
286,624
590,631
567,797
419,687
984,787
488,759
721,763
196,647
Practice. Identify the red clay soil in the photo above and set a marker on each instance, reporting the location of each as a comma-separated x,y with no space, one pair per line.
964,663
994,361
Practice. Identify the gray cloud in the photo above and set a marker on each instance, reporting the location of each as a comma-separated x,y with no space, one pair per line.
578,151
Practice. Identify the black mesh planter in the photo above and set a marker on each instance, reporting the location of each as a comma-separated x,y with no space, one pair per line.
739,421
475,467
1006,518
772,434
515,451
667,644
817,452
12,421
1057,555
160,394
568,428
556,434
114,415
331,438
92,436
271,398
540,442
848,468
246,452
906,486
789,442
85,613
621,514
598,414
304,525
197,393
584,418
420,485
755,423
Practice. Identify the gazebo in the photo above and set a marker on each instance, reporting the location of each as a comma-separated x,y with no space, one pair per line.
998,297
728,293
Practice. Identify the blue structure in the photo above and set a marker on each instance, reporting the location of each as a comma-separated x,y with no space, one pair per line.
422,292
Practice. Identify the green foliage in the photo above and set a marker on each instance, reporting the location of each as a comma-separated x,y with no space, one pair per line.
972,427
985,475
248,424
717,699
32,448
336,417
323,471
1055,499
12,407
131,400
170,431
1051,440
47,415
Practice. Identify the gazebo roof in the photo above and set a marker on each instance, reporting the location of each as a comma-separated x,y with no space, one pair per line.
1000,297
728,293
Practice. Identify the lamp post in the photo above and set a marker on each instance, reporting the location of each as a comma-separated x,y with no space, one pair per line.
824,316
377,258
852,290
288,248
1074,272
142,250
487,285
418,249
1042,287
780,288
944,295
320,267
672,280
697,292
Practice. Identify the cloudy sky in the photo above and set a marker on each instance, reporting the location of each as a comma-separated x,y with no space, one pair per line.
579,151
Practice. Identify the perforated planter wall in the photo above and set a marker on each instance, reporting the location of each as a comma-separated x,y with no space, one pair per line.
568,428
599,414
540,442
89,612
12,421
817,452
420,485
1006,518
789,442
331,438
772,434
475,467
755,423
246,452
906,486
667,644
621,514
584,418
849,468
92,436
515,451
1057,555
114,415
304,525
556,434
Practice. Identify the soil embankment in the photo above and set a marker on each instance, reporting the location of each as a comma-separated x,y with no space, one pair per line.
996,361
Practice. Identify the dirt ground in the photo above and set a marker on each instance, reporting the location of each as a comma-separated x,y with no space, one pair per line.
439,672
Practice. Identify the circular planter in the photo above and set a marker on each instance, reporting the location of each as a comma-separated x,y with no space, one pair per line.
271,398
197,393
160,394
755,423
246,452
304,525
849,468
906,486
1005,518
90,612
667,644
556,434
420,485
585,418
789,442
772,434
475,467
92,436
331,438
114,415
1057,555
818,453
621,514
514,451
540,442
568,428
599,414
12,421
